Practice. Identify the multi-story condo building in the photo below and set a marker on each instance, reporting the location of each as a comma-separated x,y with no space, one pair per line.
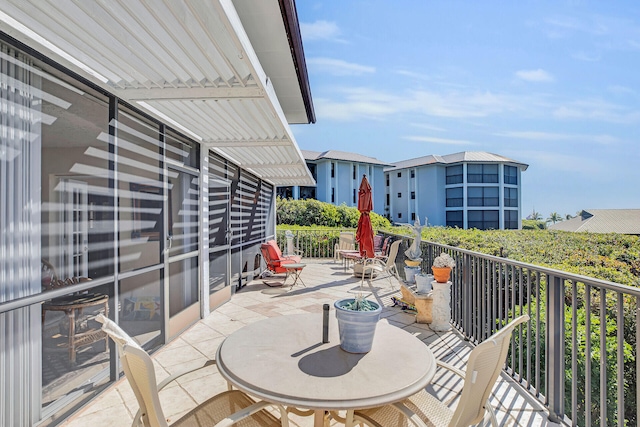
338,175
466,190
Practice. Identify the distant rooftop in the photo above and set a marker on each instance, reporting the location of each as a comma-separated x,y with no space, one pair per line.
623,221
341,155
464,156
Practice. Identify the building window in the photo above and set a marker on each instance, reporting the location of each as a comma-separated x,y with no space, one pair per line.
312,169
511,175
510,220
307,193
387,178
388,200
511,197
333,170
484,220
399,195
333,195
454,197
454,219
399,214
483,196
354,171
399,174
354,195
413,195
413,173
413,216
454,174
486,174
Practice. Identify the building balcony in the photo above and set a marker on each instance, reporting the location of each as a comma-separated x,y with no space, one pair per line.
326,282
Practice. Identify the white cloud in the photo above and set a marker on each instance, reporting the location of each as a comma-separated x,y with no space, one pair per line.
562,162
338,67
583,56
320,30
355,103
445,141
427,126
551,136
413,74
596,109
538,75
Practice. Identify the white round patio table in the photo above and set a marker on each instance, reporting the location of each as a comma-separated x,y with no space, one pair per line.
283,360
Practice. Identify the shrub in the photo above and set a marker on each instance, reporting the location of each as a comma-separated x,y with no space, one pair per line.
313,212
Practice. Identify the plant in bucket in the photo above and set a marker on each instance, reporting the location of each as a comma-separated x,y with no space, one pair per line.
357,320
442,266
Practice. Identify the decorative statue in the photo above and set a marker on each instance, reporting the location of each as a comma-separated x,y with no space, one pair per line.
414,250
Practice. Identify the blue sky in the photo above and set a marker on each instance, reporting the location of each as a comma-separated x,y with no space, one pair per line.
553,84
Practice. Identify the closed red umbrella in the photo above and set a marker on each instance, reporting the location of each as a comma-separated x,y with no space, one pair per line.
364,232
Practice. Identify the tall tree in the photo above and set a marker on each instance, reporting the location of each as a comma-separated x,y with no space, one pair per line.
554,217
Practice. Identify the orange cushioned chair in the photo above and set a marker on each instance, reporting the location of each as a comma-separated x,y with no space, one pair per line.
274,258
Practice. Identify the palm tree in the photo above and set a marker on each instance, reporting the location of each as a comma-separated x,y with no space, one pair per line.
568,216
537,216
554,217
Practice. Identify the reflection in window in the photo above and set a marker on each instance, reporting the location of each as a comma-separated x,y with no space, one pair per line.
510,175
511,197
141,192
455,219
481,173
454,197
483,196
454,174
510,220
484,220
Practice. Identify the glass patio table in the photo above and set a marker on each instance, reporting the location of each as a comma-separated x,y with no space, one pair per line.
283,360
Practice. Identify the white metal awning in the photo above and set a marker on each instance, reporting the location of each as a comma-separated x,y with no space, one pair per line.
189,63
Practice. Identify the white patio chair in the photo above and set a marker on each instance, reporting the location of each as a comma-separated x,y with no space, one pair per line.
224,409
346,242
385,265
422,409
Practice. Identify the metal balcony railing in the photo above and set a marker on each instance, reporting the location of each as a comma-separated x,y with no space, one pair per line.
578,354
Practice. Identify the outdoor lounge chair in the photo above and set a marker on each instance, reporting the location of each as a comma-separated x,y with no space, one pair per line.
224,409
382,265
274,259
346,242
422,409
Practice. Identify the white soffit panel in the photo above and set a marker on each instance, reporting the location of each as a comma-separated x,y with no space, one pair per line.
189,62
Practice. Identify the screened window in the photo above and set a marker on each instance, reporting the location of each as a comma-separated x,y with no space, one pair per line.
454,174
333,170
483,196
484,220
333,195
511,175
454,197
354,171
387,179
511,197
454,219
510,220
399,195
399,214
413,216
354,195
388,200
413,173
479,173
413,195
399,174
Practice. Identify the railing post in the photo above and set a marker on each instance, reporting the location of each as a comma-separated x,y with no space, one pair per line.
466,295
555,348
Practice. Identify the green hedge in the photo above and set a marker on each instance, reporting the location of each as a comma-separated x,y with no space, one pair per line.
314,213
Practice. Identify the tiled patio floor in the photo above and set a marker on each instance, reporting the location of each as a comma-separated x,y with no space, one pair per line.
325,283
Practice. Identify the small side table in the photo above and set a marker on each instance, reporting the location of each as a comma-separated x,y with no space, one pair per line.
294,270
422,302
441,306
69,304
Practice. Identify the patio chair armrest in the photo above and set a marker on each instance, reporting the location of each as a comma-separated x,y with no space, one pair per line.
451,368
250,410
162,384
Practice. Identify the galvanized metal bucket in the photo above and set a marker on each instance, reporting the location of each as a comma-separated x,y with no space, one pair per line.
356,328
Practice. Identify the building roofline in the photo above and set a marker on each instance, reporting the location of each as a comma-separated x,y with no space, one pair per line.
292,27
